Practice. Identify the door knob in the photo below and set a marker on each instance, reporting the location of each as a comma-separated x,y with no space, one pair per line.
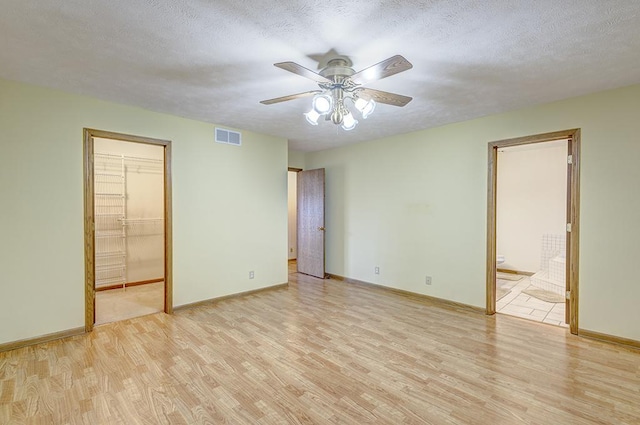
321,229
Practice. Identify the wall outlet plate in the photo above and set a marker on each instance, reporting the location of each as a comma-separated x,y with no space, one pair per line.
376,270
251,274
428,280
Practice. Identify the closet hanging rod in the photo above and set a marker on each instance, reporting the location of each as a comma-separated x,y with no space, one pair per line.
133,220
133,158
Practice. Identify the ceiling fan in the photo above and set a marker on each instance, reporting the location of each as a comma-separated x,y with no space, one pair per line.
339,82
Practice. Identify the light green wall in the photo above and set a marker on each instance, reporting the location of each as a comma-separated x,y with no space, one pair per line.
415,205
229,206
296,159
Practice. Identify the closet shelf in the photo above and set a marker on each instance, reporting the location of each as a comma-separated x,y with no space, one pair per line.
110,267
109,191
109,236
109,254
108,174
140,220
130,158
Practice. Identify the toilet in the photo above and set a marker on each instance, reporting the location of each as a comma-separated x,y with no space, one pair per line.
499,259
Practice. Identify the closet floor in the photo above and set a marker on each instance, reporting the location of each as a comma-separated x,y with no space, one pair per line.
121,304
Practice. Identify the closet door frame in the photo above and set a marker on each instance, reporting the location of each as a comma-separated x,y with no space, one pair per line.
89,219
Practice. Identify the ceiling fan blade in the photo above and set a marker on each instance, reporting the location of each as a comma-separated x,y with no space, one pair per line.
301,70
290,97
384,97
384,69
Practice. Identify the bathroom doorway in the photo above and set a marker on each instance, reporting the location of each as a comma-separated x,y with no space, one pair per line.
530,231
532,237
127,227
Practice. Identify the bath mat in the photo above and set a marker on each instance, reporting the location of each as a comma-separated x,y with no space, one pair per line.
501,293
541,294
509,276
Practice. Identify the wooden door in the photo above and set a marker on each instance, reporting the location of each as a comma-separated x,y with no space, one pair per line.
310,196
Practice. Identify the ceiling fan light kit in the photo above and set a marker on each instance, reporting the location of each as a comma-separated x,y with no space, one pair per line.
339,82
330,103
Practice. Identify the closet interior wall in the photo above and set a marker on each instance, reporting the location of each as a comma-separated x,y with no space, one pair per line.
129,213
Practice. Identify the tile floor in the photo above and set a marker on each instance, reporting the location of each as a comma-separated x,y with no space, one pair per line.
515,303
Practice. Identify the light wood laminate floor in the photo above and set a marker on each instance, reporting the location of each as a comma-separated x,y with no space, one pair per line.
322,352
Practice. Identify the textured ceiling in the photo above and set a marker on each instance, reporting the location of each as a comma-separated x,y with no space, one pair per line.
212,60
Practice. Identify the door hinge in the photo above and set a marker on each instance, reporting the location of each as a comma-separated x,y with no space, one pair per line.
570,159
569,227
567,295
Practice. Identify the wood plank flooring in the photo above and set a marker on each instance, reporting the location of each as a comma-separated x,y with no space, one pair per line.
322,352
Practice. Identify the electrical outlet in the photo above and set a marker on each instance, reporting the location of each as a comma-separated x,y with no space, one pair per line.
251,274
428,280
377,270
290,249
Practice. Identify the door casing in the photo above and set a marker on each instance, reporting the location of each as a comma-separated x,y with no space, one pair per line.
573,217
295,170
89,219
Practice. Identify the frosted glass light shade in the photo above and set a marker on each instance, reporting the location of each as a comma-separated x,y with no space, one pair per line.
365,107
322,103
348,122
312,117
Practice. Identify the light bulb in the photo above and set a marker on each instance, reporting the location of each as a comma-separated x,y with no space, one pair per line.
322,103
365,107
312,117
348,122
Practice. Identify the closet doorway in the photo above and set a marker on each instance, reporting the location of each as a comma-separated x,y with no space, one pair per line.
127,227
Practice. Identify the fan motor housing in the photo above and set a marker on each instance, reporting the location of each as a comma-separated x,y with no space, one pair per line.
337,68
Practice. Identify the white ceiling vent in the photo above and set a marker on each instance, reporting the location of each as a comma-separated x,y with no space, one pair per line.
228,136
